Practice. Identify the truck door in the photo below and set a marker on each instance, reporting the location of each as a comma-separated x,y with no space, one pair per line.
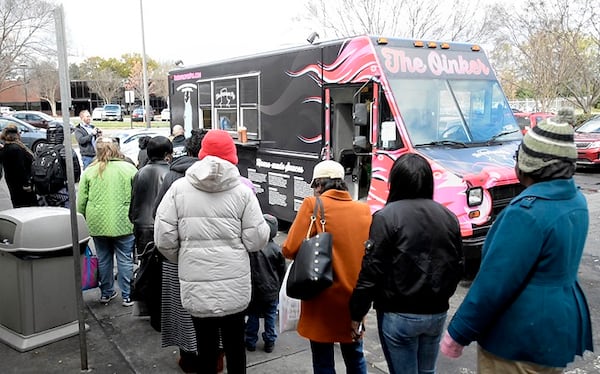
347,140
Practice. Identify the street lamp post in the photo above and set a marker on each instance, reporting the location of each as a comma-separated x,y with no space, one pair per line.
24,67
145,70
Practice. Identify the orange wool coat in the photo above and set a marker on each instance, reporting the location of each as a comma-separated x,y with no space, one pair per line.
326,318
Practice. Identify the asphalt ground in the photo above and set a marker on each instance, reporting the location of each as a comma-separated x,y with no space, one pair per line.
119,342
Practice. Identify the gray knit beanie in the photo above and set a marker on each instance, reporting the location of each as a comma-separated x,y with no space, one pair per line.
565,115
273,225
546,144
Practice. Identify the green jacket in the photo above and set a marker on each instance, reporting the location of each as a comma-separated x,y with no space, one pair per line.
104,200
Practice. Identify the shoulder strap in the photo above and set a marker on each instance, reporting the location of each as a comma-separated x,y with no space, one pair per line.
313,217
319,206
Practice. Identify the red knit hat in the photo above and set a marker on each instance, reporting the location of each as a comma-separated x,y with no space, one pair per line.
218,143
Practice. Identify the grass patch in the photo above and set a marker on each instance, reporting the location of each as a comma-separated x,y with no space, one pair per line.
127,124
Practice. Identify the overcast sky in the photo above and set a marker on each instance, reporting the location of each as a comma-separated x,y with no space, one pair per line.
188,30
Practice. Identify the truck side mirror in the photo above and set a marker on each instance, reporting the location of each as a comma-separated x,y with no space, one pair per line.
360,114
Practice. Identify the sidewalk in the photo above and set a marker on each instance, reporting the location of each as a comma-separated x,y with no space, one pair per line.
118,342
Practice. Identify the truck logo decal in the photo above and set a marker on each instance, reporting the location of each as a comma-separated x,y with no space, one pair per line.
224,97
398,61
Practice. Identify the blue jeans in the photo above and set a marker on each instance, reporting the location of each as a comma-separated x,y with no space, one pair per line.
86,160
410,342
324,360
253,323
106,248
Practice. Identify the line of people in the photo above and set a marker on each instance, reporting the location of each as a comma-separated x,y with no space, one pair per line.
525,309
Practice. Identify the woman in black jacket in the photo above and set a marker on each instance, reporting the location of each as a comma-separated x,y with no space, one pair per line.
16,159
146,184
410,270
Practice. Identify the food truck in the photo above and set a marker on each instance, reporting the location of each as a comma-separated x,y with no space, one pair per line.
362,101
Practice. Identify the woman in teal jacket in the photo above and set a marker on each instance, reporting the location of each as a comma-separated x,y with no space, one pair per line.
525,308
103,198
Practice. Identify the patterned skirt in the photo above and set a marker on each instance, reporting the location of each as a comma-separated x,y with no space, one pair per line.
177,328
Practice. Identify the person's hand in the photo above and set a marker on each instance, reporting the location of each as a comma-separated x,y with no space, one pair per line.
358,330
449,347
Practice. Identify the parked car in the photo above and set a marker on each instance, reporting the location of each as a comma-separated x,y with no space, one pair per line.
31,136
527,120
165,114
35,118
587,140
97,114
129,140
138,114
112,112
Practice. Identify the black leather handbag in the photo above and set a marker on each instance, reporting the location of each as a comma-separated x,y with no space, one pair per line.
312,272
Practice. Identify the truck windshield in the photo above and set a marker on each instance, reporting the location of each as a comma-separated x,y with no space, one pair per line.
437,111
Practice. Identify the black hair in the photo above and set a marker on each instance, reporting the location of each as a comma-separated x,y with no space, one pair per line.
143,141
411,177
330,184
193,144
159,147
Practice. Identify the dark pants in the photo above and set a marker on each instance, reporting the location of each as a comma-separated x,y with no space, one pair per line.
207,337
324,361
153,259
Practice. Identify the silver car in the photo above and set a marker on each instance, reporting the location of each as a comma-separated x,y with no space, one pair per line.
112,112
31,136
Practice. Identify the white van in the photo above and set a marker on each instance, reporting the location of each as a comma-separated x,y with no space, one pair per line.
6,110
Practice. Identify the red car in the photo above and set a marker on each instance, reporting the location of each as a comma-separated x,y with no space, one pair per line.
528,120
587,140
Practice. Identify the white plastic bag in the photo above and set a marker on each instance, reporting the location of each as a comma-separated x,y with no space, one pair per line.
289,309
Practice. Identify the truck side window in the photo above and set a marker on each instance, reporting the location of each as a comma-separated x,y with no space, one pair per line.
389,136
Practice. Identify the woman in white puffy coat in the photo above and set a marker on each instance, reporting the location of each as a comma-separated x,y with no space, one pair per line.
207,222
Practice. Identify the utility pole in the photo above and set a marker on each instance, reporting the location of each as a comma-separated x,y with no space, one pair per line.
25,67
145,70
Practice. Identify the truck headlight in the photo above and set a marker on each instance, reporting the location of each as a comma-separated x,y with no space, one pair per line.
474,196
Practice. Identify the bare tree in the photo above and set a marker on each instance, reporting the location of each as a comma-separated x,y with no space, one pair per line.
157,79
45,75
552,40
25,27
159,84
106,83
464,20
135,82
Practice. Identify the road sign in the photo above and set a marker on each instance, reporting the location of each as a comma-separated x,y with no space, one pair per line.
129,97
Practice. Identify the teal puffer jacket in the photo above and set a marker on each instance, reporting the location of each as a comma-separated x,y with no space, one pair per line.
526,303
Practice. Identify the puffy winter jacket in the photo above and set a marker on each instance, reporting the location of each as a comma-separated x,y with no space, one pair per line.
104,199
207,222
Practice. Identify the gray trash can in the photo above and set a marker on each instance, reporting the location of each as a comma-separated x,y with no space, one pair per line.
37,281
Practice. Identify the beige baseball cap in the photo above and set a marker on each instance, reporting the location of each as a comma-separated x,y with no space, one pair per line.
327,169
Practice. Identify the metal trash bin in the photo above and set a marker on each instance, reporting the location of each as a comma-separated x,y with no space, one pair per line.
37,281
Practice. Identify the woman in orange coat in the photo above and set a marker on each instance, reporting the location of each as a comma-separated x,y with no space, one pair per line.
325,319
